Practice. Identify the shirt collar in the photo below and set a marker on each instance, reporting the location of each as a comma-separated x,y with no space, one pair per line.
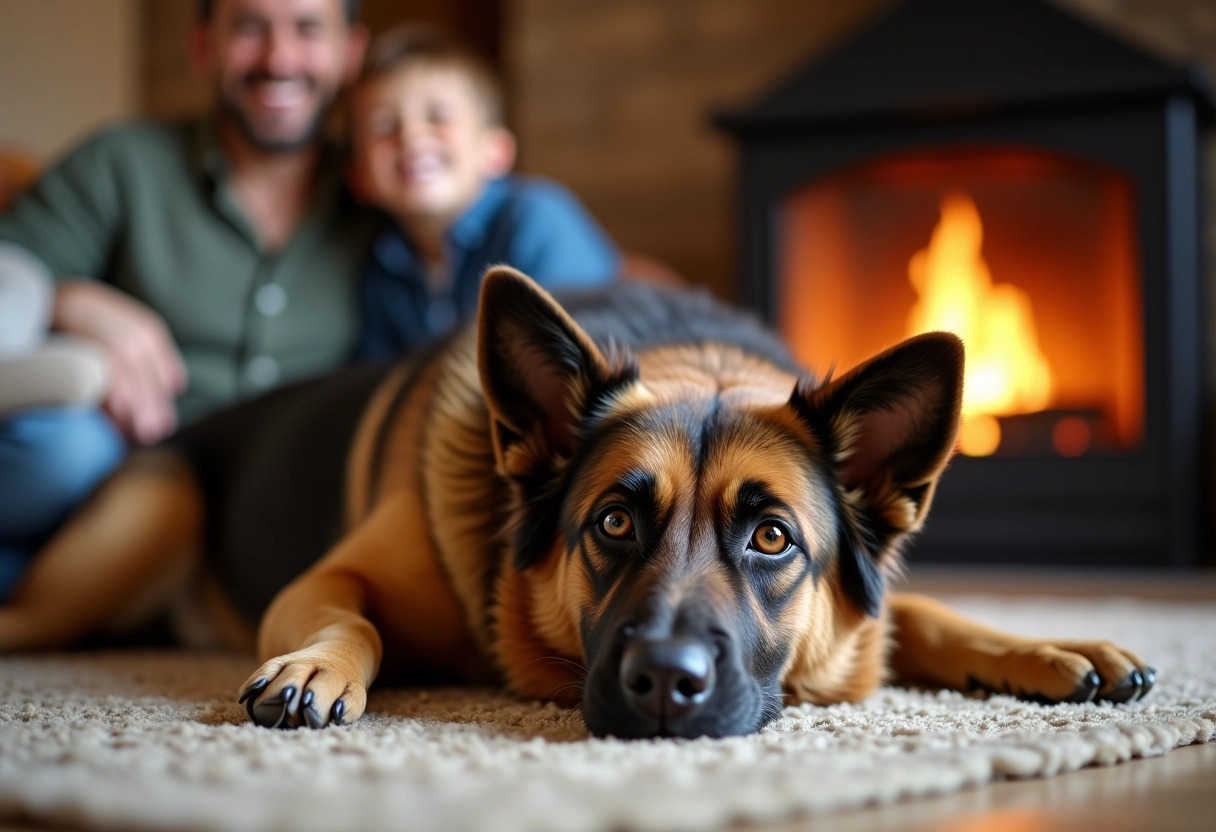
206,156
210,164
209,161
396,255
471,228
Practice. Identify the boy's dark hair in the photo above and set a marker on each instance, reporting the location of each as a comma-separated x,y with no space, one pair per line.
413,43
207,7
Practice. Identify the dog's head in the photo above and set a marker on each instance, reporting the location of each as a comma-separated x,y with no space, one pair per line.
683,516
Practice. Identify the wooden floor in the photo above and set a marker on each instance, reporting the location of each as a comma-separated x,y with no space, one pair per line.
1176,791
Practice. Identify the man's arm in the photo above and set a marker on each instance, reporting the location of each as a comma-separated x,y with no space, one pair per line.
70,218
70,221
146,369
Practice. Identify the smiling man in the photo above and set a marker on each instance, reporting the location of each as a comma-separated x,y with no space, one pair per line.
276,75
208,259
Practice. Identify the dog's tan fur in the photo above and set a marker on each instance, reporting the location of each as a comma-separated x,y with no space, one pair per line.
422,575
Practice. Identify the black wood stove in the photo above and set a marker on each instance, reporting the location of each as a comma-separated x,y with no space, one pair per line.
1004,170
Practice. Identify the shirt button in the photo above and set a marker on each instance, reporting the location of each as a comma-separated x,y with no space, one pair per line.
270,300
262,371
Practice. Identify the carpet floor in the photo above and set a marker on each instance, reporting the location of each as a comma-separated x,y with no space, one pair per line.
155,739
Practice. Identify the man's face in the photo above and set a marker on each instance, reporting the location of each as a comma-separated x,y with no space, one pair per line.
278,66
423,148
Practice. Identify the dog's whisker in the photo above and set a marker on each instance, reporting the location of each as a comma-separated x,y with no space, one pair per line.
578,667
567,686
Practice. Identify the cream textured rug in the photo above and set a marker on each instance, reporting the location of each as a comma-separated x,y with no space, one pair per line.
144,740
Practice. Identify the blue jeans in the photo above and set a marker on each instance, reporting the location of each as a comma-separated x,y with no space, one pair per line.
50,459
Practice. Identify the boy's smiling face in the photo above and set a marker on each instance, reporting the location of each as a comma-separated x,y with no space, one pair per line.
423,146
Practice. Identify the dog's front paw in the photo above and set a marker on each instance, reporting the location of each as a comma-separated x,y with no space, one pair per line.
1072,671
310,687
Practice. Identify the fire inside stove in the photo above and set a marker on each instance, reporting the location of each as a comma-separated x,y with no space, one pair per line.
1007,373
1029,257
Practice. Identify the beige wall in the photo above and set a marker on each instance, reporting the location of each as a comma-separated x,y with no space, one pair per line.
66,67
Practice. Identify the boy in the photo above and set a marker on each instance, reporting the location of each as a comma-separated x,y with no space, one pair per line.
432,151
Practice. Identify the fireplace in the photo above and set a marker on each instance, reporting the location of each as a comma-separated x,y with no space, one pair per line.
1002,170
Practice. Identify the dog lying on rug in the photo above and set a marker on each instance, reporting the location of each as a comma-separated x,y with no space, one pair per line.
636,501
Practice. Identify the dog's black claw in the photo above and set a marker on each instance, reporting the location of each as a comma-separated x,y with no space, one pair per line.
253,690
269,714
1085,691
339,712
1128,689
312,718
273,712
250,695
1150,679
311,715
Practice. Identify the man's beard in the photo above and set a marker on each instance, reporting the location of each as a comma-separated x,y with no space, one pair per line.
231,110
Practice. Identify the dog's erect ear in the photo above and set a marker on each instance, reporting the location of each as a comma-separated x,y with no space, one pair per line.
541,376
890,426
539,371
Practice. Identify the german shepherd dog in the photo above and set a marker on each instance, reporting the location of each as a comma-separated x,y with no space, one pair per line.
637,501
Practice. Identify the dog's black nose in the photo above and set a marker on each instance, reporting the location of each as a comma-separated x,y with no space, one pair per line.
667,679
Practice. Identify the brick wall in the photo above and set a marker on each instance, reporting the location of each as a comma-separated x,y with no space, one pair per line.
614,98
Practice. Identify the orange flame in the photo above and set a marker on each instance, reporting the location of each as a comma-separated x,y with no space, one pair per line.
1006,372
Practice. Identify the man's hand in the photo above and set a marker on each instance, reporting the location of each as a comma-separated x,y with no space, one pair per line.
146,369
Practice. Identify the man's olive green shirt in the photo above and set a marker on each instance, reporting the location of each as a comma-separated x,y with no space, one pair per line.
144,207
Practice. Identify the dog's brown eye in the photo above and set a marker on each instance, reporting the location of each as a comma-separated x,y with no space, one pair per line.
770,539
617,524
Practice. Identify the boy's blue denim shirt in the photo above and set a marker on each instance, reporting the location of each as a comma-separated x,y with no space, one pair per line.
533,224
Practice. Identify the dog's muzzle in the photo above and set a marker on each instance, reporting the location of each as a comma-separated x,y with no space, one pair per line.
671,676
667,680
